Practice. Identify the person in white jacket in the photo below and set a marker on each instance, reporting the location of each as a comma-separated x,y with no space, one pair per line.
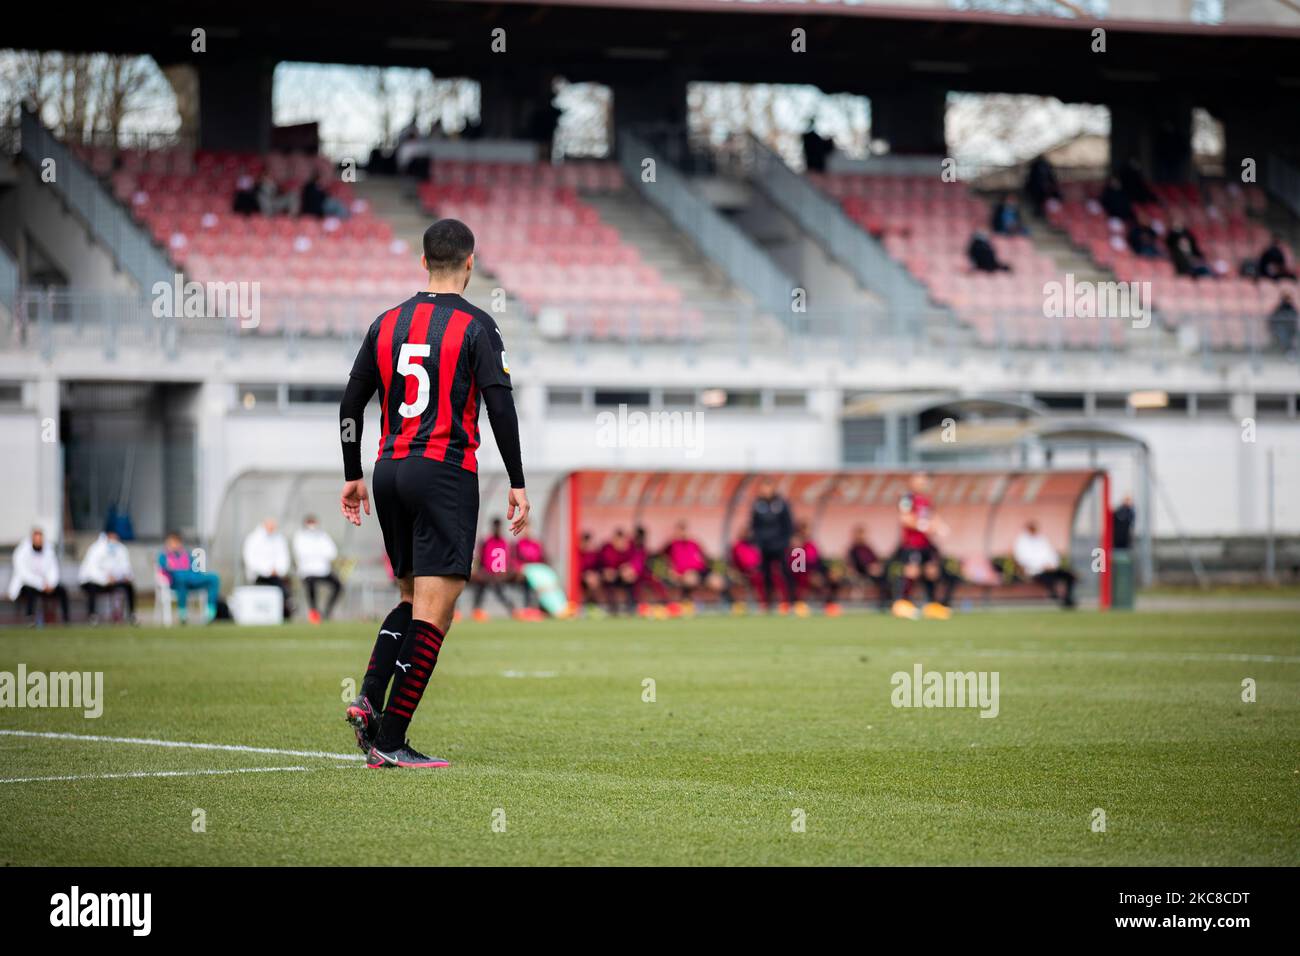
36,575
1039,559
266,560
107,568
314,552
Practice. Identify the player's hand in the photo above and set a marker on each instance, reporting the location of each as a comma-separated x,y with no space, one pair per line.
354,498
517,501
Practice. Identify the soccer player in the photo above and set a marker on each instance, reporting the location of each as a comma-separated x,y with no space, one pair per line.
689,568
493,571
868,566
621,565
916,550
815,574
434,359
589,570
528,550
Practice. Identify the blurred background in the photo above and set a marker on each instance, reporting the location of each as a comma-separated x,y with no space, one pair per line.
754,238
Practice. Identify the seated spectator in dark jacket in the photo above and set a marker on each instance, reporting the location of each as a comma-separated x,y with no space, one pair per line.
1272,261
1142,239
1006,218
1041,184
1115,201
1186,261
245,202
983,257
317,202
1282,325
1177,230
1135,183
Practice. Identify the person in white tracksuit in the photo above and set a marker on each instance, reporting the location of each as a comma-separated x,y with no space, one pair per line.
266,560
314,552
107,568
35,576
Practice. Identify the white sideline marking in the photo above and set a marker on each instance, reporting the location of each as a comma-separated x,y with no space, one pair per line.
150,742
1140,656
150,773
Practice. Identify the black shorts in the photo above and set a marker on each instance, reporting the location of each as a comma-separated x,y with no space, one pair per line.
428,511
914,556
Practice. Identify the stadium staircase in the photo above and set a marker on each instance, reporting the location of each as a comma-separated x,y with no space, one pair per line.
395,200
661,245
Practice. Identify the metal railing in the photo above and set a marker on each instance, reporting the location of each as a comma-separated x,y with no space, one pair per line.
46,321
8,285
739,257
821,218
130,245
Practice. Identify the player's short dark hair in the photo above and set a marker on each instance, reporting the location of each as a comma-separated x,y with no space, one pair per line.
447,244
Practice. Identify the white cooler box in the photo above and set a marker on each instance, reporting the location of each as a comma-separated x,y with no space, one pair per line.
257,604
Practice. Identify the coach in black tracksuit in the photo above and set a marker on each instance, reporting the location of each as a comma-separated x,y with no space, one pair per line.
772,526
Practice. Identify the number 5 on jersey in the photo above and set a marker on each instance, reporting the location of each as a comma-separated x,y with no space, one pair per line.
405,366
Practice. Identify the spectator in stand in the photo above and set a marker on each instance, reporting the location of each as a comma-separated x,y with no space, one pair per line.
317,202
868,566
1041,562
1041,184
493,570
266,560
35,578
1114,201
1134,182
528,550
1006,218
1187,262
813,574
772,525
689,568
272,201
983,257
1121,525
314,552
1177,231
621,565
816,149
1282,324
245,202
178,567
1273,261
1142,239
106,569
589,569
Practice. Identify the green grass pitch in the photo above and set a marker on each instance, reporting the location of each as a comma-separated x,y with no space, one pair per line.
557,758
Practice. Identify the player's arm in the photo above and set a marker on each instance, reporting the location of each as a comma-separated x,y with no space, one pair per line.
352,416
492,376
500,404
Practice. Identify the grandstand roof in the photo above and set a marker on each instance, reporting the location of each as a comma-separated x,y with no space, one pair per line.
856,48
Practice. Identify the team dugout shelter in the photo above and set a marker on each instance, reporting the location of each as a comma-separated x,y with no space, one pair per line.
984,512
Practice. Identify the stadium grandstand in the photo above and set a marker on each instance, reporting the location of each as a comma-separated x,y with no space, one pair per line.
817,313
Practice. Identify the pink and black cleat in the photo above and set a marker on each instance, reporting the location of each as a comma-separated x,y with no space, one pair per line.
403,756
364,721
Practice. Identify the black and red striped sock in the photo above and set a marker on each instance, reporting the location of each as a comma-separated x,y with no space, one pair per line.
415,666
392,633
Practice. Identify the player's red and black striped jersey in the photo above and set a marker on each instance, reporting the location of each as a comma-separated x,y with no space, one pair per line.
430,359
